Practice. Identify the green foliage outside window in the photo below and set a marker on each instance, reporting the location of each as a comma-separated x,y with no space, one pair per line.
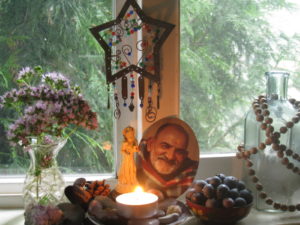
226,46
55,35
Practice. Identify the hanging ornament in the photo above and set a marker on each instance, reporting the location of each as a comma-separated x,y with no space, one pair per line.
151,111
124,90
141,90
122,58
132,86
117,111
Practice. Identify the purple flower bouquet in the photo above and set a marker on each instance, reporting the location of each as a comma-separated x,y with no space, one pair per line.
45,108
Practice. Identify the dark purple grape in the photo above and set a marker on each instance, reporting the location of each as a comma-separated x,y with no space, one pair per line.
211,203
234,193
207,180
198,198
215,181
239,202
228,202
189,193
221,176
208,191
222,191
241,185
231,181
246,194
199,184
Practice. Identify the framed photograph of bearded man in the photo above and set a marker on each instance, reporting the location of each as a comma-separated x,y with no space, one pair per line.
168,158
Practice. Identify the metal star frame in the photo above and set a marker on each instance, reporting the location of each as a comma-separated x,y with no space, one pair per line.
110,36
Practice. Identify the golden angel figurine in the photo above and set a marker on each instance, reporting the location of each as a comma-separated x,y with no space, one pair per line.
127,180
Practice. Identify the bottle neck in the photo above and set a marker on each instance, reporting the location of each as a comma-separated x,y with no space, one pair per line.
277,84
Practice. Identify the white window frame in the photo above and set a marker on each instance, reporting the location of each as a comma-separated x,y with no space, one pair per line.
210,164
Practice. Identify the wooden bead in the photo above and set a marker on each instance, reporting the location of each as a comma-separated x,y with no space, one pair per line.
276,205
289,124
282,147
283,130
295,156
289,152
240,148
263,195
268,141
255,179
263,126
298,207
275,147
295,119
257,112
261,97
259,186
259,118
285,161
270,129
262,146
254,150
262,101
276,134
249,163
269,201
280,154
296,169
255,106
292,208
247,154
290,166
283,207
264,106
251,172
266,113
269,120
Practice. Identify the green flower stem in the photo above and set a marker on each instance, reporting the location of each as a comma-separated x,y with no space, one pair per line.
71,132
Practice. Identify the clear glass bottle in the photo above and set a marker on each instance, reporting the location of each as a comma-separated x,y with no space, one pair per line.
281,185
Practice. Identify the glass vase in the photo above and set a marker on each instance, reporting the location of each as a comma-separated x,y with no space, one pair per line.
272,147
44,183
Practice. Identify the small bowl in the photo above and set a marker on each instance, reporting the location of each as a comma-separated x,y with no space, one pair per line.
219,215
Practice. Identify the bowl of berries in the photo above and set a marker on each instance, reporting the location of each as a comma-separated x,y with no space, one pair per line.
219,199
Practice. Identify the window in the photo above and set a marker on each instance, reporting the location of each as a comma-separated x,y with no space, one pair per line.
226,47
55,35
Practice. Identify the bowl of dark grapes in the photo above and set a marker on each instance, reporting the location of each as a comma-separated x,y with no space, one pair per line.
219,199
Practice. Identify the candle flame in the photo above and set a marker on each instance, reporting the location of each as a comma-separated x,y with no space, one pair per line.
138,189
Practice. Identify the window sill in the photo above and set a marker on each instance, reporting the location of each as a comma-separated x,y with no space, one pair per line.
11,187
16,217
209,165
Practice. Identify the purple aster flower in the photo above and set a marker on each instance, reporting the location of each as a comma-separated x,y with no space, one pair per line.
23,72
56,78
40,105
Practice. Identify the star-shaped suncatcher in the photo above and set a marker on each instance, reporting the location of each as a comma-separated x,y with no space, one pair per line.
124,54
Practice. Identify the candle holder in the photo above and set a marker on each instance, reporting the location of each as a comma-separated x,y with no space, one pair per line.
137,205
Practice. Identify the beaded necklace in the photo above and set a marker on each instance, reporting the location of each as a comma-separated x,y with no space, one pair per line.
262,113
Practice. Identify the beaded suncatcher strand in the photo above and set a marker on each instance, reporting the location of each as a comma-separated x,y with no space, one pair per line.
125,54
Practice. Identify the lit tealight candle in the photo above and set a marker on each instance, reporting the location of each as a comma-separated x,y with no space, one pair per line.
137,204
